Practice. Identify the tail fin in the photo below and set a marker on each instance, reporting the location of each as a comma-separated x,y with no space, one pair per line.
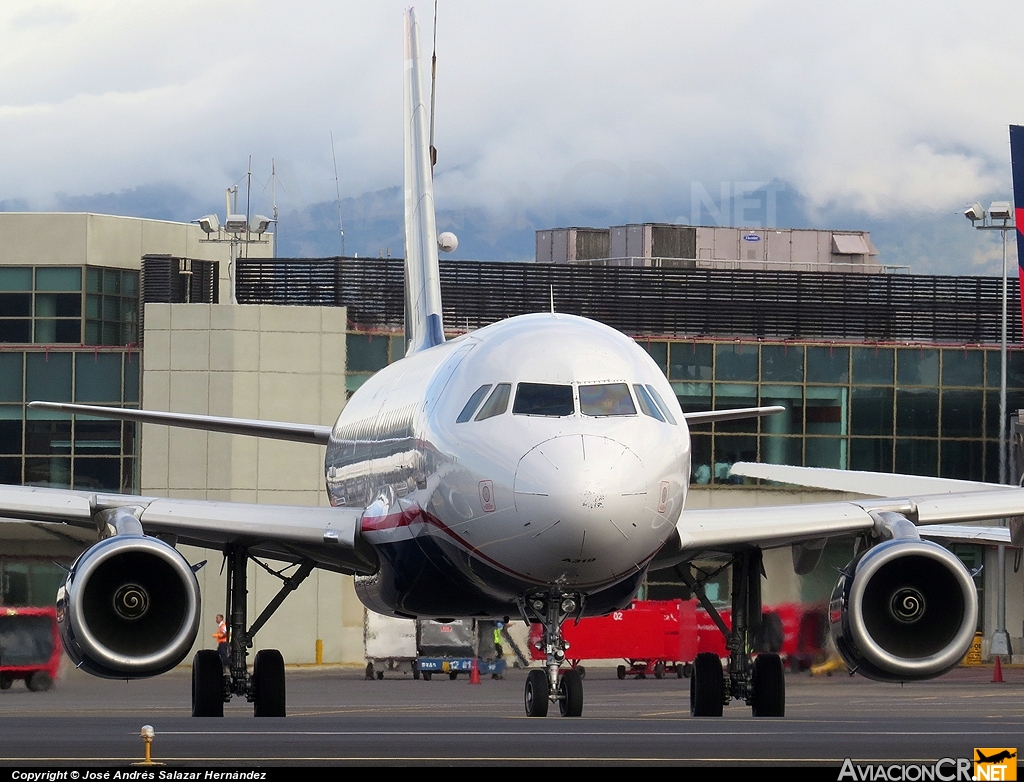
1017,166
423,324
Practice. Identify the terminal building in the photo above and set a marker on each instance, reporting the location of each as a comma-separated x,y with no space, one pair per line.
885,372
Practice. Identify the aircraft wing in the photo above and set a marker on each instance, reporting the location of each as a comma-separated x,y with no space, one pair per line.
327,536
719,530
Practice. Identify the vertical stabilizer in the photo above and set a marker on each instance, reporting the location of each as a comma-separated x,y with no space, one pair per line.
1017,166
423,324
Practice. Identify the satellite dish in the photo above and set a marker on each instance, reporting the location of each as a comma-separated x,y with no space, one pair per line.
447,242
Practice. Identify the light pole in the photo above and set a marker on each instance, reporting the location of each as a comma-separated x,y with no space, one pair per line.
1003,212
235,225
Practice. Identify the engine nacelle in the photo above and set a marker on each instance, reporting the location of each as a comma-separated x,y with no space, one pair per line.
904,610
129,608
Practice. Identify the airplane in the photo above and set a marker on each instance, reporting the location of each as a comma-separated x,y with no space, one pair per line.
999,757
537,467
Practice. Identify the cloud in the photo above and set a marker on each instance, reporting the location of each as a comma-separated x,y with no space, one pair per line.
577,110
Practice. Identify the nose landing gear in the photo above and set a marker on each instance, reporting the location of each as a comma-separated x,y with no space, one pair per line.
546,687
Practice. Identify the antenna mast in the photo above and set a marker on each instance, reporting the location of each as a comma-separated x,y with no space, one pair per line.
337,188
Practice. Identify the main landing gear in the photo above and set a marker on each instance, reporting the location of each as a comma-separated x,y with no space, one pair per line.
544,687
758,681
213,684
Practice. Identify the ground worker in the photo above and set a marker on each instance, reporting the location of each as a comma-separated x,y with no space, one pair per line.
221,639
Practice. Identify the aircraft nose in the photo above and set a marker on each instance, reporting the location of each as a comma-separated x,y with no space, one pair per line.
582,497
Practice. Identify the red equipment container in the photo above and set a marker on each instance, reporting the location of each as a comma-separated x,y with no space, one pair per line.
652,636
30,647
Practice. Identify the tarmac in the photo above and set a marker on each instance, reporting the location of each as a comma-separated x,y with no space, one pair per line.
336,717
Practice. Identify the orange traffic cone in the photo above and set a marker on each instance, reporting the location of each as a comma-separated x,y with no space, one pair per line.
997,672
474,673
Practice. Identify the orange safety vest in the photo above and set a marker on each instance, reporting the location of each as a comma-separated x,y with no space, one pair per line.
221,636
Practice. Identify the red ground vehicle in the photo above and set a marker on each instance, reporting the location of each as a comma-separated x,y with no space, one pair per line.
652,636
29,647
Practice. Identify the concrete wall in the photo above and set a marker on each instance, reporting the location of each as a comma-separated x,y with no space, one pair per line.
268,362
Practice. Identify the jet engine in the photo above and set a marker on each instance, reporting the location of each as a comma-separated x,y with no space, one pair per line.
129,608
903,610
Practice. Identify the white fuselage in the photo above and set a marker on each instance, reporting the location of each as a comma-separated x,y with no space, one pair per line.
515,503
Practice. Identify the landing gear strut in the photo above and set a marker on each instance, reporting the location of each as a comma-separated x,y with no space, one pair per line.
758,681
545,687
213,684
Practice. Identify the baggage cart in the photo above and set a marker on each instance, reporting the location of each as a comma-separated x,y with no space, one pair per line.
390,644
30,647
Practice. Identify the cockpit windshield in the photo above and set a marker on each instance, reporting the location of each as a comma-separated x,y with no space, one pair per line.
543,399
606,399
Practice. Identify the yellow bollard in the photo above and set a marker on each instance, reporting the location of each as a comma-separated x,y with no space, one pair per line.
147,734
319,651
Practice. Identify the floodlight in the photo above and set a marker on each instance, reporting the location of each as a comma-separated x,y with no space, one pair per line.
210,224
975,212
1000,210
235,224
259,224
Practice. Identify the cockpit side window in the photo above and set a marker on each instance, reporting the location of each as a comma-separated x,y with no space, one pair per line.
606,399
647,405
473,404
545,399
497,403
662,406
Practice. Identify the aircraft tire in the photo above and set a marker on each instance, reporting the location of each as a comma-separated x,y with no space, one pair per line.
659,670
268,684
427,675
570,694
207,684
621,672
5,682
707,686
536,693
453,675
39,681
769,683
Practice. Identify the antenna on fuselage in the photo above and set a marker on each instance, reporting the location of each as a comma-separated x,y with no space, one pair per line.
433,90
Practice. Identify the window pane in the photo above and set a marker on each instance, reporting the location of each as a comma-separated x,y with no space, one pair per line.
93,280
43,436
873,455
54,472
15,278
962,415
729,396
828,365
472,404
693,398
48,377
917,457
1014,368
10,429
58,278
16,331
873,366
781,450
662,404
98,474
10,377
826,410
58,305
10,470
647,404
736,362
545,399
659,352
962,459
497,403
871,411
397,348
690,361
366,352
782,363
826,452
98,377
917,412
15,305
97,437
68,331
963,368
131,378
917,367
789,422
700,459
606,399
730,449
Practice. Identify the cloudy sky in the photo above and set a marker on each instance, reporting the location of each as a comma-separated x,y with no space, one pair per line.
870,115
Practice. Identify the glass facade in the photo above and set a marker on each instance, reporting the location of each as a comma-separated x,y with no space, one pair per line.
366,353
50,305
44,448
915,409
